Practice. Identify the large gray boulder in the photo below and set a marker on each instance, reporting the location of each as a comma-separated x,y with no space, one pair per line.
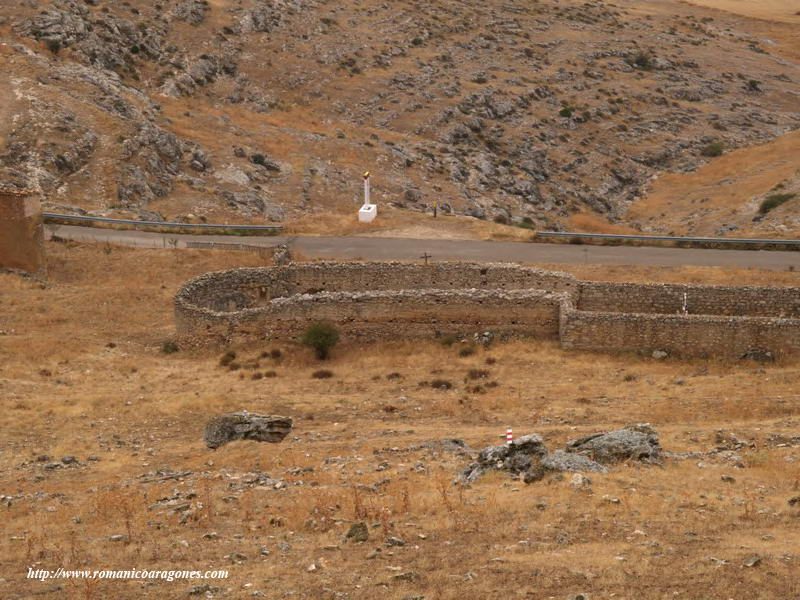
634,442
246,426
516,457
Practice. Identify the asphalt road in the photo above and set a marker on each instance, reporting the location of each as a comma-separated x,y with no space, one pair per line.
439,249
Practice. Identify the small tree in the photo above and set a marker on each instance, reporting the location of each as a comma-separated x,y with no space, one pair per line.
321,336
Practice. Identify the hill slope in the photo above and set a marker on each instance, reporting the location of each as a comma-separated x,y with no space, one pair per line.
270,109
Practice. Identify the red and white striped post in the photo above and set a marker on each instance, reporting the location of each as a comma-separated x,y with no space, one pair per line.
509,436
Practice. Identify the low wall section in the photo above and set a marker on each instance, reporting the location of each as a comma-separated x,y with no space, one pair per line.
680,335
369,316
667,299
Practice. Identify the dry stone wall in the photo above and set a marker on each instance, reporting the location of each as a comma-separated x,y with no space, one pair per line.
680,335
372,301
662,298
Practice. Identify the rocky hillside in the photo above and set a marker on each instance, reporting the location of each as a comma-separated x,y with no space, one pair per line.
514,110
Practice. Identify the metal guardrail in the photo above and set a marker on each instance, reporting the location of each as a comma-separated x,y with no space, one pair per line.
664,238
48,215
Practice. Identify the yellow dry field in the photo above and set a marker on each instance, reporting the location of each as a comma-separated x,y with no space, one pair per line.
82,374
782,11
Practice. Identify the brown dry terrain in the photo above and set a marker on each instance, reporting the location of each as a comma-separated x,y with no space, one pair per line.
83,375
549,114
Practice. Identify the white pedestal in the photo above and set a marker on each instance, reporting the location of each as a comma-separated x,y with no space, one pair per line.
367,213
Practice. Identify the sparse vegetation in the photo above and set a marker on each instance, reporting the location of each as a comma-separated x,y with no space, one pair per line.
169,347
322,374
322,337
441,384
449,339
227,358
774,201
713,149
477,374
641,60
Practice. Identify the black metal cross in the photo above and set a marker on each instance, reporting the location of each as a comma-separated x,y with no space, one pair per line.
426,256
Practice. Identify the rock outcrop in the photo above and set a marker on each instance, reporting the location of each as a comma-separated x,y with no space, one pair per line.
246,426
634,442
516,458
529,458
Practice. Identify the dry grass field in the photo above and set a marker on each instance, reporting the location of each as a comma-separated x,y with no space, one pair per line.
82,374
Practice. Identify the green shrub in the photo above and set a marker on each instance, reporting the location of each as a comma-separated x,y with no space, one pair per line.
449,339
477,374
227,358
713,149
441,384
169,347
641,60
321,336
774,201
566,112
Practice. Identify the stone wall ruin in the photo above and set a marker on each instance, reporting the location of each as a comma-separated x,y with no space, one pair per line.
384,300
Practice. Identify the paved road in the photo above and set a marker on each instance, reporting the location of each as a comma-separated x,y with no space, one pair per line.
404,248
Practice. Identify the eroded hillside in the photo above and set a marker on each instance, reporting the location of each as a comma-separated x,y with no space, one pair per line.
516,111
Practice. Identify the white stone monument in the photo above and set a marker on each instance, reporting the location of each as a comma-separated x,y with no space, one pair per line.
368,212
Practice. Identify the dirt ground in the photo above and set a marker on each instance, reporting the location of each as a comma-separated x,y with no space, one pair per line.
83,374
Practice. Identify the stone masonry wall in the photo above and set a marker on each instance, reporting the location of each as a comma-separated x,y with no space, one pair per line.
371,301
369,316
21,231
239,288
680,335
667,299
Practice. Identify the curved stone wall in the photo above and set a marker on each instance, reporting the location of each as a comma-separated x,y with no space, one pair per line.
372,301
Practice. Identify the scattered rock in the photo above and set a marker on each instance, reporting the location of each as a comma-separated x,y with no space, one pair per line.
395,541
580,482
246,426
753,561
758,355
660,354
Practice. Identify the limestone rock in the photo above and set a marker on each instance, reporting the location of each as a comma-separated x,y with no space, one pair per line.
634,442
758,355
281,255
515,458
562,461
246,426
